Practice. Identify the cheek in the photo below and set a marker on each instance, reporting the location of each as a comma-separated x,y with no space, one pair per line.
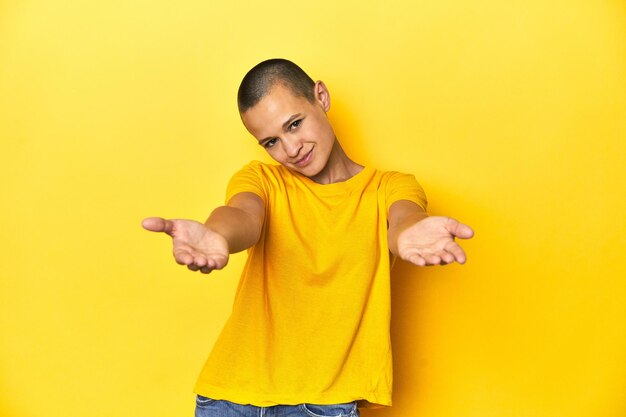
327,137
325,132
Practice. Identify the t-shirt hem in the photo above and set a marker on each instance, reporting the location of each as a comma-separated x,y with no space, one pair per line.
364,399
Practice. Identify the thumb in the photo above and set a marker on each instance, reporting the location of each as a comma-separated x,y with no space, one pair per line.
158,224
459,229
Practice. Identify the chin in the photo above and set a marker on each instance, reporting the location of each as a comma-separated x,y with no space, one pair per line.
311,171
305,171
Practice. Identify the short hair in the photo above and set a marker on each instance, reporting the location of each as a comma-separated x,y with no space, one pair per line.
260,80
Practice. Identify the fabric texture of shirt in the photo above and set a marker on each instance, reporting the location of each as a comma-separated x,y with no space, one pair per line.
311,315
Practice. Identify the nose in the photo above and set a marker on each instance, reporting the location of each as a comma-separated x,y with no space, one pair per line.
292,147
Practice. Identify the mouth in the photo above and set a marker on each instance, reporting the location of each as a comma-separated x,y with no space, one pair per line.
305,159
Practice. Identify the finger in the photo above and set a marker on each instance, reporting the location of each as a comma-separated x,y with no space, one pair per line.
446,258
213,264
158,224
455,250
217,262
459,229
432,259
198,263
201,261
416,260
183,258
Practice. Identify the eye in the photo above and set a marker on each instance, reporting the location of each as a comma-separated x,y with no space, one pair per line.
270,143
295,124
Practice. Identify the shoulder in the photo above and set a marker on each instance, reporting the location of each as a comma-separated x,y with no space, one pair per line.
402,186
263,169
260,178
391,178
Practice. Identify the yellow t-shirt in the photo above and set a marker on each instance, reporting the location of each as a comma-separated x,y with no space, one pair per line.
310,320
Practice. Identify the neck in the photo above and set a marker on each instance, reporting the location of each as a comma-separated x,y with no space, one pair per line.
339,167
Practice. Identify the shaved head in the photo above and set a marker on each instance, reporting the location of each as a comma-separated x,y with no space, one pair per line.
260,80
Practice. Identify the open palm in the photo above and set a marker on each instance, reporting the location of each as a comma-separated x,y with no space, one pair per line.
431,241
194,245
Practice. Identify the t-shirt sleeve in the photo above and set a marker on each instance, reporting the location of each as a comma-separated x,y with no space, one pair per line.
404,187
247,179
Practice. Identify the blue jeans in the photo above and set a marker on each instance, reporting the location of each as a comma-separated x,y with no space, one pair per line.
206,407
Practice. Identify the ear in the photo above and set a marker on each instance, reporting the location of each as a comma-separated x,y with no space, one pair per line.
322,96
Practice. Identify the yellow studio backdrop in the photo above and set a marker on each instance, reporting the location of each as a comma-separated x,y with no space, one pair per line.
512,115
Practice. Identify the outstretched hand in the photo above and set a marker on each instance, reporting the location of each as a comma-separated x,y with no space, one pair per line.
194,245
431,241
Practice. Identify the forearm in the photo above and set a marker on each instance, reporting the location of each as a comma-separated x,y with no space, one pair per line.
240,229
402,215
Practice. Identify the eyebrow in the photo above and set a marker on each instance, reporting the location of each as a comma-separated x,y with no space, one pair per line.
291,119
287,123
